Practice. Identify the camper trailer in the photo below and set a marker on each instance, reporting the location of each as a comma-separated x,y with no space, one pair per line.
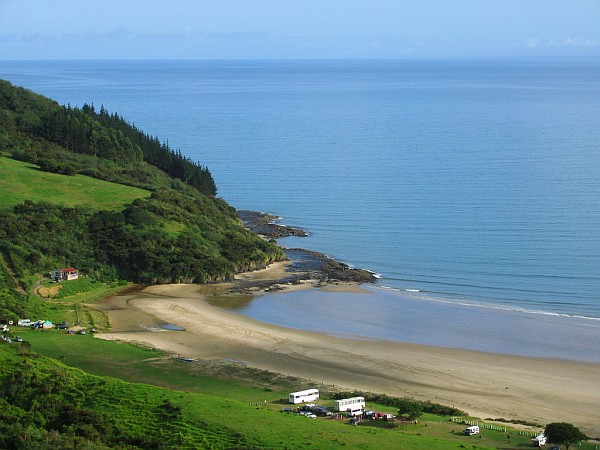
539,440
309,395
353,406
470,431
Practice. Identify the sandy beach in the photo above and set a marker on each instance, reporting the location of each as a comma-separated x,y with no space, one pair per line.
482,384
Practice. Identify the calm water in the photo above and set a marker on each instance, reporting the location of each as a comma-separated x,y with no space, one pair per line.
405,317
473,182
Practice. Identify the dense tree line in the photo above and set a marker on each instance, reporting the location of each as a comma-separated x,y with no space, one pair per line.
25,115
134,244
78,132
157,153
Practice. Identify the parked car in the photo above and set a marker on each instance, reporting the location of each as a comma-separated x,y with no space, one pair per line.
19,339
62,326
81,332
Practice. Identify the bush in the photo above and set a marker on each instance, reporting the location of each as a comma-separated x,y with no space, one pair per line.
383,399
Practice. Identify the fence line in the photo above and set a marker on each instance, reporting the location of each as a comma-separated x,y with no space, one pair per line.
487,426
264,402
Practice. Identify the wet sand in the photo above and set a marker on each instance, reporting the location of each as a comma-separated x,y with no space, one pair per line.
482,384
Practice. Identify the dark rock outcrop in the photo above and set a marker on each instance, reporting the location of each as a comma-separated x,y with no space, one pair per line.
322,267
264,225
306,264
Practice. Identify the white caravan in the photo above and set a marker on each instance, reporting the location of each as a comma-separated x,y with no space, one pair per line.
354,406
309,395
470,431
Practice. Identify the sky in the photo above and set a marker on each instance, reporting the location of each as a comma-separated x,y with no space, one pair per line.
296,29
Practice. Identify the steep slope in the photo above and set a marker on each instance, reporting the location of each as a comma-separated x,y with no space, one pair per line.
93,192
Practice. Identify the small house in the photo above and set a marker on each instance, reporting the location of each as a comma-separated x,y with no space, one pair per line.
66,274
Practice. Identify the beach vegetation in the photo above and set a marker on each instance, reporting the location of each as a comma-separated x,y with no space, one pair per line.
564,433
399,403
409,409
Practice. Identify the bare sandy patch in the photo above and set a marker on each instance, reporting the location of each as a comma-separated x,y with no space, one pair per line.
49,292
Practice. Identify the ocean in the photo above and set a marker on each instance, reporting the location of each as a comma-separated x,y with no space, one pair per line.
471,184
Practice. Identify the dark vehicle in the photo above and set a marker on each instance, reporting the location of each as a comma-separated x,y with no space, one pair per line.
62,326
321,411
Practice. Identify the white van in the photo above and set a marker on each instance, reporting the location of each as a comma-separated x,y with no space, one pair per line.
540,440
24,323
470,431
354,412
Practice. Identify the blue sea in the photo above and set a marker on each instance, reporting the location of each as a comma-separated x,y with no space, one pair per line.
472,184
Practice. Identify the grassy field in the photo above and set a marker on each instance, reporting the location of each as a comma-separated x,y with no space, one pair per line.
235,397
81,290
21,181
210,421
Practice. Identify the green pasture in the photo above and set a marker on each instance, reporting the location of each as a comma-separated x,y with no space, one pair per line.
20,181
137,364
210,421
86,290
239,403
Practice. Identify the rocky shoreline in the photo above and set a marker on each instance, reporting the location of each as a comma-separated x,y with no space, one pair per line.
305,264
264,225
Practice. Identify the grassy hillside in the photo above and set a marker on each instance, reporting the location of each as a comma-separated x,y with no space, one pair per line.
20,181
204,409
85,189
40,394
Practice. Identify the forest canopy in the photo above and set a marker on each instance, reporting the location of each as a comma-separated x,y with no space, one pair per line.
40,130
